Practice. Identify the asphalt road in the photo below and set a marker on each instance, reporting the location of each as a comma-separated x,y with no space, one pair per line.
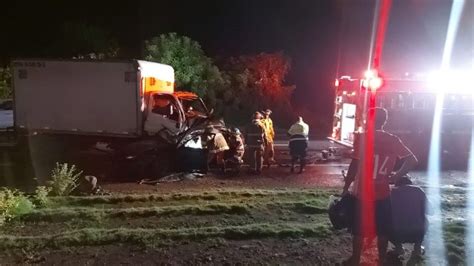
315,145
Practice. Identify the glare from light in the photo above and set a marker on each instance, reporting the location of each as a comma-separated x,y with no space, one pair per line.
454,18
470,194
434,239
372,80
373,33
375,83
370,74
450,81
470,204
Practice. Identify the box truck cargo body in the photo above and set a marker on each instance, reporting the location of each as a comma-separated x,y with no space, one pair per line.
86,97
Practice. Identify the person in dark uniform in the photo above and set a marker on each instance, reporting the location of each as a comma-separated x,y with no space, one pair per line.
256,141
409,222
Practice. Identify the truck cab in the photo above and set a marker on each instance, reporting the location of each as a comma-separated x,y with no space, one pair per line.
169,115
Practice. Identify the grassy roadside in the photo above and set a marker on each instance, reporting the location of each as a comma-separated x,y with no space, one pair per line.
180,198
164,219
151,218
65,214
94,236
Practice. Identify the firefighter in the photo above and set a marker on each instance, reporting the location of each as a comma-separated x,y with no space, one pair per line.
270,135
256,140
298,133
217,145
236,151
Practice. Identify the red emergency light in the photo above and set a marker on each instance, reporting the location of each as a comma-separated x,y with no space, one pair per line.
372,80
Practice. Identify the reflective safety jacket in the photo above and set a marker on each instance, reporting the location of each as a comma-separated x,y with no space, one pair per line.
268,126
299,128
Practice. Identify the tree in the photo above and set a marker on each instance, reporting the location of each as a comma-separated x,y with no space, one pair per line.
258,82
269,72
5,83
194,71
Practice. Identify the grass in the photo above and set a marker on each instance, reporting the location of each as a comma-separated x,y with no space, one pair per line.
454,237
190,196
84,213
65,214
94,236
155,219
229,214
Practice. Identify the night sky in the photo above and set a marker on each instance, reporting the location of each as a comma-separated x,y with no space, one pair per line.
324,38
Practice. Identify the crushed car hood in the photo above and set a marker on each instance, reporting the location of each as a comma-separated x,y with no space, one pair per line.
198,130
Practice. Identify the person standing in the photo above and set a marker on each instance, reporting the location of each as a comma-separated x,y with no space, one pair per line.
256,140
269,152
387,150
298,144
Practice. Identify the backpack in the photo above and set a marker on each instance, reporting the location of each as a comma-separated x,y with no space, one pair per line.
341,211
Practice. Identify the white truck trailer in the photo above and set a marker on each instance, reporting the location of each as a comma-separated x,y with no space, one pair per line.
90,97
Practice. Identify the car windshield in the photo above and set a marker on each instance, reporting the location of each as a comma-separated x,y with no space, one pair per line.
195,105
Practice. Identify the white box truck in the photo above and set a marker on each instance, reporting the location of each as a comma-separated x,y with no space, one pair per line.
66,108
91,97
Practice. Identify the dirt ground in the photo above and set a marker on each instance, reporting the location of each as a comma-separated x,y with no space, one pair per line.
276,177
274,218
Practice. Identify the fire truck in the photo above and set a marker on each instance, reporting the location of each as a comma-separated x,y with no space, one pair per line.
411,102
